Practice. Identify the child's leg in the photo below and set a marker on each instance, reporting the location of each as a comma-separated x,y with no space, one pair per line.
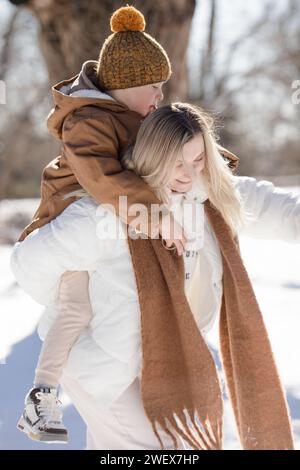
75,313
41,418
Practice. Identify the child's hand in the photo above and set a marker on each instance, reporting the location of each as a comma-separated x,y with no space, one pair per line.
172,233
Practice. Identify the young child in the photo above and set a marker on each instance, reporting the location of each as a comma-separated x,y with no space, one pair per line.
97,115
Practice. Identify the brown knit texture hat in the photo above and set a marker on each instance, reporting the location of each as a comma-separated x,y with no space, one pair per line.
130,57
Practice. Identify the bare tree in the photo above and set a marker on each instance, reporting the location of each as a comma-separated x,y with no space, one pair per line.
15,151
71,32
206,83
7,38
255,101
214,85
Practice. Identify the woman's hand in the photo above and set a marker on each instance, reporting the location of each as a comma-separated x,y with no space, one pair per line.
172,233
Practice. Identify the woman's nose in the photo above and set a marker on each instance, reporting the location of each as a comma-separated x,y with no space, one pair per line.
185,175
187,168
187,171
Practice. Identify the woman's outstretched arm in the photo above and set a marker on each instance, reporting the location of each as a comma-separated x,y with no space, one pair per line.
276,211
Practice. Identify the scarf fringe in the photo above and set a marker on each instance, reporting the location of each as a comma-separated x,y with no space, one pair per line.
210,438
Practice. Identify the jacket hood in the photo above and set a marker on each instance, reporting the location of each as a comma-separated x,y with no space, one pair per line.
80,90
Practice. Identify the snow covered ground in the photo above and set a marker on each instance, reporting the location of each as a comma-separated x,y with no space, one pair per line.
274,268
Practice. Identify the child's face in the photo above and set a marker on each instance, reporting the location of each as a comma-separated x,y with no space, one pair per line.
142,99
194,157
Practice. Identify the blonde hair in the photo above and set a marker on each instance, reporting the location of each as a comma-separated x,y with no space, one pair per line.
160,141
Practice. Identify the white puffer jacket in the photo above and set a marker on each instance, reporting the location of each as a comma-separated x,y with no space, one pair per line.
107,357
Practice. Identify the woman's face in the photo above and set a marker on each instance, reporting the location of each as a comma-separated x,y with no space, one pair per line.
194,158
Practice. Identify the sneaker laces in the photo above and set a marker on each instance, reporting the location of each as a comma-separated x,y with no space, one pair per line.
48,407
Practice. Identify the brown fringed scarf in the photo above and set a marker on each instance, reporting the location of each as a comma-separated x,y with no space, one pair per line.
179,372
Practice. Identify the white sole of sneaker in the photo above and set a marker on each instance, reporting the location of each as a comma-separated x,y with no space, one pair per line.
42,437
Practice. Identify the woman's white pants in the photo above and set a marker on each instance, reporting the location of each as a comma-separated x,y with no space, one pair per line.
124,426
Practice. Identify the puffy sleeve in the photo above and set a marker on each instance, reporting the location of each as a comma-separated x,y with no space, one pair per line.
275,211
67,243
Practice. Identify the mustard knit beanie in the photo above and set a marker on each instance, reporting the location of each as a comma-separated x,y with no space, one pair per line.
130,57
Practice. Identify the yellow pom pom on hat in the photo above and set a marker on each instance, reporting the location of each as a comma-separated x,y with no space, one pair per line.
127,19
130,57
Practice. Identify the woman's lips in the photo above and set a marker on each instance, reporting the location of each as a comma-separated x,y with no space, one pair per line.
182,182
180,186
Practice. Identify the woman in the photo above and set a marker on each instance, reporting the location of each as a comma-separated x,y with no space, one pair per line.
177,155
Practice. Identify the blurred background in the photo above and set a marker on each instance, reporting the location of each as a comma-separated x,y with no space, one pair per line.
240,61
